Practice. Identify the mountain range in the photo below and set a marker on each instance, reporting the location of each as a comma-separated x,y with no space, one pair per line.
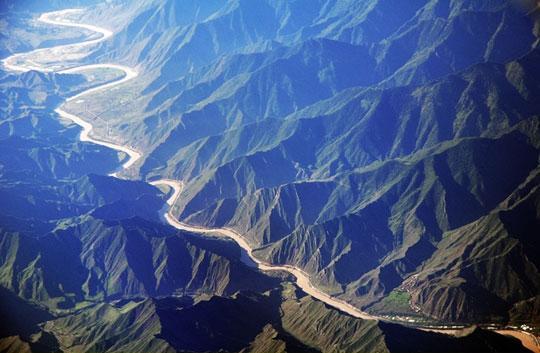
388,150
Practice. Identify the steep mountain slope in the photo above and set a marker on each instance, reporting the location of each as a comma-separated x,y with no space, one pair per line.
279,320
249,48
483,257
334,201
107,259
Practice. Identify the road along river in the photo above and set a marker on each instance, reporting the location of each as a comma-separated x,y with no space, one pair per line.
20,62
302,279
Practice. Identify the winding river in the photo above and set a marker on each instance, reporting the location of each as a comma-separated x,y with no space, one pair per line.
20,62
